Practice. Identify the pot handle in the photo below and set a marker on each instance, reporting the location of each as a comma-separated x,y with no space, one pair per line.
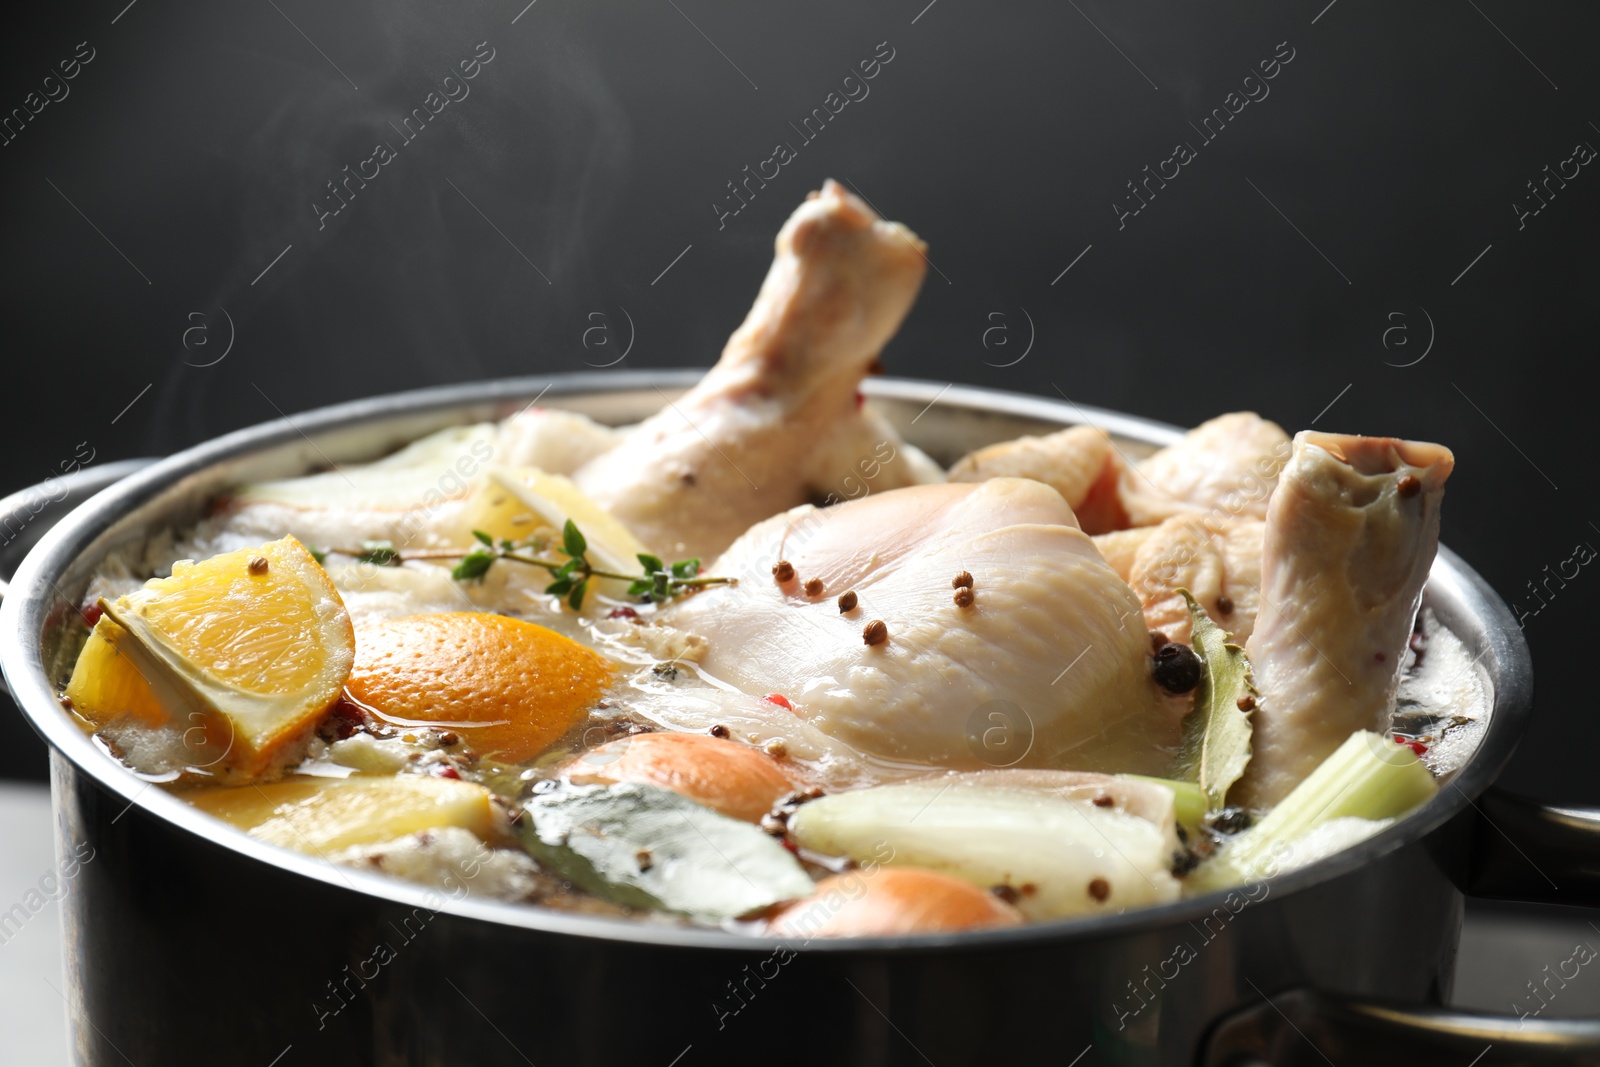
26,514
1522,850
1525,850
1303,1028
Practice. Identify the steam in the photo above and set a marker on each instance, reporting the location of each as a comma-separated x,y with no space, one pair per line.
408,284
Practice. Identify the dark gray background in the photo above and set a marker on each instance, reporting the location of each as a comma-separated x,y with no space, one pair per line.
1387,158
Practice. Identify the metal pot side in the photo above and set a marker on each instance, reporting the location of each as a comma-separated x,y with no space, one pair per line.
189,942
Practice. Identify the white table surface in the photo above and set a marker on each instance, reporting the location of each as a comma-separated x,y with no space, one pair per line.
1500,953
32,1012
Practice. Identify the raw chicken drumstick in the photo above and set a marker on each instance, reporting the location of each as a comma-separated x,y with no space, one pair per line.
777,421
1350,535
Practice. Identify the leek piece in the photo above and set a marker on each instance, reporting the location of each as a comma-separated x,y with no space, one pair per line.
1074,857
1189,801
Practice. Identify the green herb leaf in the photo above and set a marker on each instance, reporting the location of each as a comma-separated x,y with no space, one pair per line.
568,567
1216,734
318,554
507,544
575,598
686,568
643,846
650,563
572,540
380,552
473,566
640,587
559,587
661,591
485,538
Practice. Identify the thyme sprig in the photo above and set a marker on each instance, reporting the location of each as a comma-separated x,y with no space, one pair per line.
570,571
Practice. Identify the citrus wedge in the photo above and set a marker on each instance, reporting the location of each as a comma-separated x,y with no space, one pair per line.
246,651
106,687
514,503
510,688
322,815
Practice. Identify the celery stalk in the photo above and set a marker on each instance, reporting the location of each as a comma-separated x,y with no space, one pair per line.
1368,777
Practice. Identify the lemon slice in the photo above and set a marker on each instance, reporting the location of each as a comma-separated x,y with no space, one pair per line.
246,650
106,686
516,502
322,815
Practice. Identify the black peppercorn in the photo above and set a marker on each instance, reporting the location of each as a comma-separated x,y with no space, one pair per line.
1177,668
1231,820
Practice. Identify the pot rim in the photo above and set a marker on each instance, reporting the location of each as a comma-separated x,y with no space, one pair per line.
24,611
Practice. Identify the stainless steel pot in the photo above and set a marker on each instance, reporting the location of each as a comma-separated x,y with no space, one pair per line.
190,943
